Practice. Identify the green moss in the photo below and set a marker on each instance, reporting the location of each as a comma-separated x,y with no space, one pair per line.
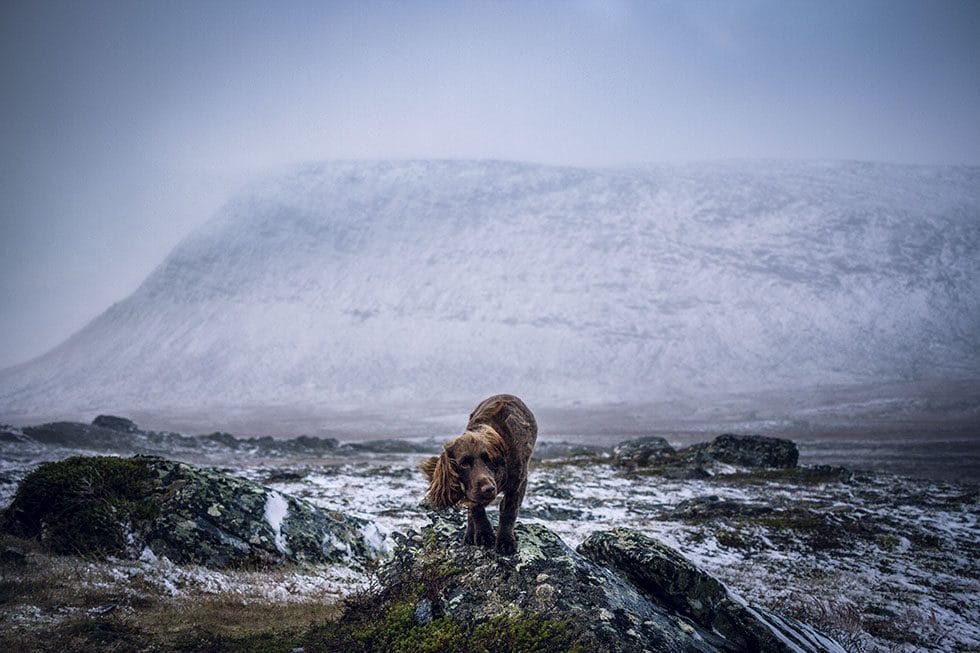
385,622
395,632
82,505
888,542
530,633
364,629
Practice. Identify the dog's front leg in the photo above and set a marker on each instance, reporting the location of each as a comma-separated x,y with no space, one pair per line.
478,527
509,505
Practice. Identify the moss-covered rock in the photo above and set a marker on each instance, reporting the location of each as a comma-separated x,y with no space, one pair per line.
436,590
753,451
88,506
666,577
219,520
103,505
726,454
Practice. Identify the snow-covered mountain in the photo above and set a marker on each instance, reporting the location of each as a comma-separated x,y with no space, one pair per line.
358,283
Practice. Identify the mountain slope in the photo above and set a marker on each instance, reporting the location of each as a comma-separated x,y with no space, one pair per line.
362,283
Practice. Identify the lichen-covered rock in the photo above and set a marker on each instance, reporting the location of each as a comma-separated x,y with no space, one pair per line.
641,452
727,453
106,505
663,575
218,520
546,580
752,451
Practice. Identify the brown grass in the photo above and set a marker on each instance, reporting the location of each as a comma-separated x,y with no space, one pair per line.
55,603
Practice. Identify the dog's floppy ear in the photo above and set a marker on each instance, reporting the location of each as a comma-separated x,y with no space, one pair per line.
428,466
494,443
445,490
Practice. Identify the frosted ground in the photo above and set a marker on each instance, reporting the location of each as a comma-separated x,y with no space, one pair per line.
882,562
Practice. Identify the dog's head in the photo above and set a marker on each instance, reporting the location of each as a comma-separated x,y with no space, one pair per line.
469,471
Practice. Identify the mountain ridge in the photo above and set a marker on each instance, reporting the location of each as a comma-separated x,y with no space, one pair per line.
353,283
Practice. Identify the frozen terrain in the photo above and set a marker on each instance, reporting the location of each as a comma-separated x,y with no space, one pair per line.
881,562
773,292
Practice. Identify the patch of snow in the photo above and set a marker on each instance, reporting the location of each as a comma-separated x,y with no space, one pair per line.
276,508
331,541
377,543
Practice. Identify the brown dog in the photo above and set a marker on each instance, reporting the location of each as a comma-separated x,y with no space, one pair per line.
490,458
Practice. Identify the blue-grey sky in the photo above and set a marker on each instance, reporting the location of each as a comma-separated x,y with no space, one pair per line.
125,124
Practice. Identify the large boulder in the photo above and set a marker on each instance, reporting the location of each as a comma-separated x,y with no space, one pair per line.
726,453
126,506
666,577
220,520
641,452
445,589
753,451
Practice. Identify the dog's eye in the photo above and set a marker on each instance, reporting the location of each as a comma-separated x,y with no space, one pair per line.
466,462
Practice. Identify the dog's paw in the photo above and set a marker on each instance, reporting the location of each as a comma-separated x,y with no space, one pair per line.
506,544
485,538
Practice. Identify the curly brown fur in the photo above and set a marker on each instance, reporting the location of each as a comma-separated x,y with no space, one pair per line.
490,458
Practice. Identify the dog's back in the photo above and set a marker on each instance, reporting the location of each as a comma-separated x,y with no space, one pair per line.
513,420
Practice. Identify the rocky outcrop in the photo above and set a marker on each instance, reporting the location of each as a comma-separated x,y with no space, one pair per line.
218,520
662,575
620,592
154,506
753,451
642,452
726,453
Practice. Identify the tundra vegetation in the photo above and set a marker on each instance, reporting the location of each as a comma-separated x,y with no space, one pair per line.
148,553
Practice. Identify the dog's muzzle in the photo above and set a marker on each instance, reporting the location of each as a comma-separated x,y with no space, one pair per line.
486,492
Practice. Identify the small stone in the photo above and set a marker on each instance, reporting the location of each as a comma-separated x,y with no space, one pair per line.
423,613
544,593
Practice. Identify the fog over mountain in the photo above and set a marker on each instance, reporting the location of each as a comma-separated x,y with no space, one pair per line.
350,284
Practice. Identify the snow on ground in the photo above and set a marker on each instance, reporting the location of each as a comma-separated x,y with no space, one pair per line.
880,562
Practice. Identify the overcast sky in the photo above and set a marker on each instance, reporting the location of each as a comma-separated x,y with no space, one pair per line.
123,125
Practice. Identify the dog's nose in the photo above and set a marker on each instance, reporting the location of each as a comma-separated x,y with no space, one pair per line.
488,490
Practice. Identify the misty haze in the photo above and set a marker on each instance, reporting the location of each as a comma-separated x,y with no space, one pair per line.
585,326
